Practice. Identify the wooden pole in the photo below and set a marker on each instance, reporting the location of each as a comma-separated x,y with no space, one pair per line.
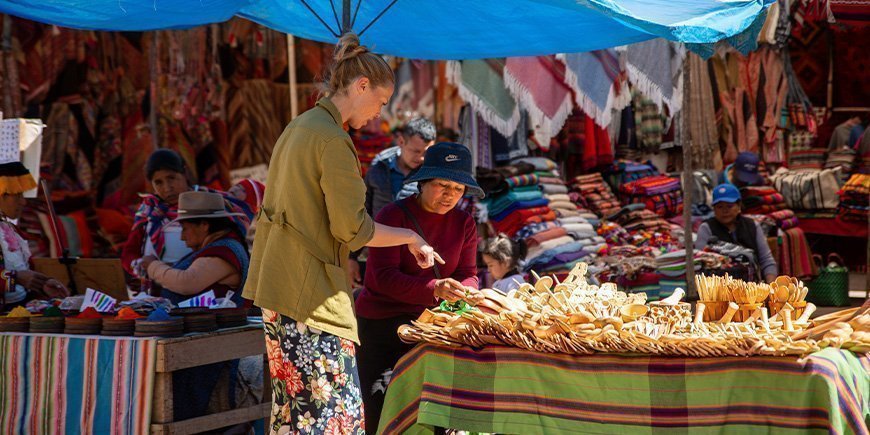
291,76
153,59
688,182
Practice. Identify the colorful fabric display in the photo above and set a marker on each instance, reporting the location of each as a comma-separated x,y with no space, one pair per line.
795,256
543,236
534,228
522,180
855,198
808,190
813,158
554,188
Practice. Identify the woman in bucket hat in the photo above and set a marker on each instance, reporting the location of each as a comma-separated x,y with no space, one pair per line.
396,290
219,259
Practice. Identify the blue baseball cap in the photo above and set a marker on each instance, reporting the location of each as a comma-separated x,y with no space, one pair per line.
725,193
449,161
746,168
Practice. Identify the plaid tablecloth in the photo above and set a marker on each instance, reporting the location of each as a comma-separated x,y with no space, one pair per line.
61,384
512,391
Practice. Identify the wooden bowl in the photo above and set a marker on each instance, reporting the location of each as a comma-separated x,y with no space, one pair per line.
632,312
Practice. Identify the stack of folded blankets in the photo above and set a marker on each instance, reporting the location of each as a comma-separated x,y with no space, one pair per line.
561,245
522,204
810,158
624,171
854,198
784,219
642,220
660,193
761,200
594,194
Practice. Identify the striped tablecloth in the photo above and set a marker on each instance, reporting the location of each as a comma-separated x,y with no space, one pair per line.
61,384
512,391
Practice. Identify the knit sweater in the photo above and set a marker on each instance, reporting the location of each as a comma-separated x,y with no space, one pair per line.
395,285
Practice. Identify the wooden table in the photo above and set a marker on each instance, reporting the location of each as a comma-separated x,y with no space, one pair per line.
197,350
59,384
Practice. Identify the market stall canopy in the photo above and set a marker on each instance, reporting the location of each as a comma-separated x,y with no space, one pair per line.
427,29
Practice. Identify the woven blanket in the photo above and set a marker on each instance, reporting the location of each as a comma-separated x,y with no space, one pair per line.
595,79
507,390
480,83
538,85
59,384
652,67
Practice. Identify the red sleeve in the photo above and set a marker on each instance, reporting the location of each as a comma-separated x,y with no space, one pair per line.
384,264
466,270
132,249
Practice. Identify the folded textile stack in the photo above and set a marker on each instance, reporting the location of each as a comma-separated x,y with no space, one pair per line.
784,219
660,193
624,171
642,220
672,267
761,200
591,191
812,158
855,198
561,245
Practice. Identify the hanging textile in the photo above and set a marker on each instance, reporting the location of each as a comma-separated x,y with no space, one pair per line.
424,88
538,84
401,104
699,117
655,68
649,122
596,80
481,85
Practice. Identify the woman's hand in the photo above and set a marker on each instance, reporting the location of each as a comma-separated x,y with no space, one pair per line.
31,280
143,265
452,290
425,254
55,289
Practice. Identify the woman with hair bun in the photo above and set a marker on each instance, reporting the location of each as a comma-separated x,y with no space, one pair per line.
313,214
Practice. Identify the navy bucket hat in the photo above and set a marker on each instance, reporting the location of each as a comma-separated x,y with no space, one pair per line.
449,161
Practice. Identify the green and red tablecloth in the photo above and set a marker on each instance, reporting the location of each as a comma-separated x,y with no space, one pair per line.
507,390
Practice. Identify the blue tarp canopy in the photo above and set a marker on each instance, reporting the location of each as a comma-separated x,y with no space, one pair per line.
427,29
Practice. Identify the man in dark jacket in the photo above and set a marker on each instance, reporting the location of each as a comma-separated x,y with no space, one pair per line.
385,178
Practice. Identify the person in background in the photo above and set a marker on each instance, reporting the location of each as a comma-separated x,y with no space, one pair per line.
744,171
19,283
500,254
312,216
219,261
396,289
728,225
385,179
150,235
250,192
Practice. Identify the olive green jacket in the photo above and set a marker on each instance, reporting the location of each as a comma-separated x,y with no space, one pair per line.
312,216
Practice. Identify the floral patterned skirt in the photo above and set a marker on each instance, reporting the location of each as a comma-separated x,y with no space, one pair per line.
315,382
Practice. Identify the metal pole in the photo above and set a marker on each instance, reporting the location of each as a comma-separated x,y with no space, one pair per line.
345,17
291,76
688,182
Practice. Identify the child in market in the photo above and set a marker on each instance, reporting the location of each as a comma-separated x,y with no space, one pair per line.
501,255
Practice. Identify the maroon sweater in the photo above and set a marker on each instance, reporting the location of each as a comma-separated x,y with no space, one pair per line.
395,285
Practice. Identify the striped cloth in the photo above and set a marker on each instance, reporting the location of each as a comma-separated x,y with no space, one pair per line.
60,384
508,390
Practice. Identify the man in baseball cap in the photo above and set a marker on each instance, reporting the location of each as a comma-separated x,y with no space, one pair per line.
744,171
728,225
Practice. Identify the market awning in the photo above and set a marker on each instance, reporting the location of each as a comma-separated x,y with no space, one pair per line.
427,29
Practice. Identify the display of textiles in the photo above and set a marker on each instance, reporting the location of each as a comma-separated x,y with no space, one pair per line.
595,194
624,171
761,200
813,158
808,190
660,193
784,219
855,198
795,256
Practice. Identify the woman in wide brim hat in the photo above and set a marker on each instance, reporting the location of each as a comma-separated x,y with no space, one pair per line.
19,283
219,258
396,290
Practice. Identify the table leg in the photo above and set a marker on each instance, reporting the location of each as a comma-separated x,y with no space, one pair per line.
162,409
